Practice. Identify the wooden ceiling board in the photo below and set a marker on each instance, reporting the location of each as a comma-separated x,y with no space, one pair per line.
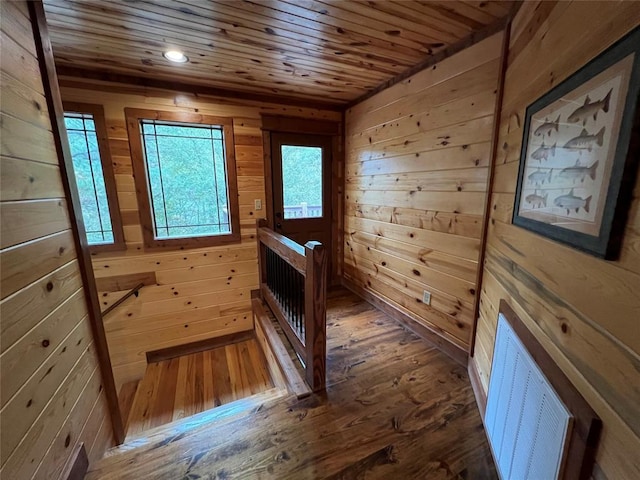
240,50
328,51
141,32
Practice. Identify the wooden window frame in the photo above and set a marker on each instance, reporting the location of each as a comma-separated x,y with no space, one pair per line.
97,112
133,118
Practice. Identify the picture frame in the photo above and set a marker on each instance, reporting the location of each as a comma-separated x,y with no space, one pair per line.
579,153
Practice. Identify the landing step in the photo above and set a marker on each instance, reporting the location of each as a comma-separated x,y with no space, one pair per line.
219,416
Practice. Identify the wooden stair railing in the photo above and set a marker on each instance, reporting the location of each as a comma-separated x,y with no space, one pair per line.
134,291
293,283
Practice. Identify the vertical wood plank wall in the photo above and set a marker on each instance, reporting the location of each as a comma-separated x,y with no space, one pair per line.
51,392
417,157
583,310
200,293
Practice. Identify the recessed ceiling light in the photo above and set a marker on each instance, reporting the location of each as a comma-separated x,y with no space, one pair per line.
175,56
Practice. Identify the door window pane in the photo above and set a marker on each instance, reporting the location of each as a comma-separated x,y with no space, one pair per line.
301,181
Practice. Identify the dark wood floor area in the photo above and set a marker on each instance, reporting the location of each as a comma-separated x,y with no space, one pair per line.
190,384
395,408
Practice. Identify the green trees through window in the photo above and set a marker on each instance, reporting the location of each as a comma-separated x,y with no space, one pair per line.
302,181
89,176
185,174
187,179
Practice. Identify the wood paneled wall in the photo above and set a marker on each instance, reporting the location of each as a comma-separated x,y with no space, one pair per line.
199,293
51,392
417,157
583,310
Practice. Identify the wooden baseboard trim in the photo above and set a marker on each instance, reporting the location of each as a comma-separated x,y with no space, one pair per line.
78,464
199,346
445,346
283,372
476,385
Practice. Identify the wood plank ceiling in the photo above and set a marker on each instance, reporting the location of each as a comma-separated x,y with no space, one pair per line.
332,51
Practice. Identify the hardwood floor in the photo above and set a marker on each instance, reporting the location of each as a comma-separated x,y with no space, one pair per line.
394,407
190,384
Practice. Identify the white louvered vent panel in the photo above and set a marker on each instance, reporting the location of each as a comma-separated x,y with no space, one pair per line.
526,421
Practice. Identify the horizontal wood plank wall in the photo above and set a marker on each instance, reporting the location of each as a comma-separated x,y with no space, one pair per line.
51,392
583,310
417,157
200,293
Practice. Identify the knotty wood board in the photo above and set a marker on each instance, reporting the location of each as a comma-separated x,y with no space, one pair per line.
52,394
417,157
313,51
199,293
395,407
583,310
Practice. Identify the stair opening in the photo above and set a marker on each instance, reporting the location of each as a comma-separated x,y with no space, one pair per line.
183,386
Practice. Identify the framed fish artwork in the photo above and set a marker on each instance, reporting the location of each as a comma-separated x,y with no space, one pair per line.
580,152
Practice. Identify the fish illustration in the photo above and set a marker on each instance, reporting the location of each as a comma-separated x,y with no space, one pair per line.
577,172
542,152
582,114
539,176
585,141
571,202
536,200
547,127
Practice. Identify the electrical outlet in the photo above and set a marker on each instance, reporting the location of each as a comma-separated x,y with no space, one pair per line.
257,204
426,297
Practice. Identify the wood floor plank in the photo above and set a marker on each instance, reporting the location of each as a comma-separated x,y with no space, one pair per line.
237,374
259,362
162,409
208,381
181,390
222,381
143,399
125,398
395,407
194,398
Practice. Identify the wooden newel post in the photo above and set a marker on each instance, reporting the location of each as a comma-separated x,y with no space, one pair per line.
315,296
262,260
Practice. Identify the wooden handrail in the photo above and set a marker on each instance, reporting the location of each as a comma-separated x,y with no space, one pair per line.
291,252
134,291
297,300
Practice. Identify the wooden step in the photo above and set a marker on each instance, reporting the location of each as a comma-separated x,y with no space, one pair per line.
213,418
190,384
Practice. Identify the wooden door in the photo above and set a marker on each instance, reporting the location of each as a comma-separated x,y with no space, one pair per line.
301,172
